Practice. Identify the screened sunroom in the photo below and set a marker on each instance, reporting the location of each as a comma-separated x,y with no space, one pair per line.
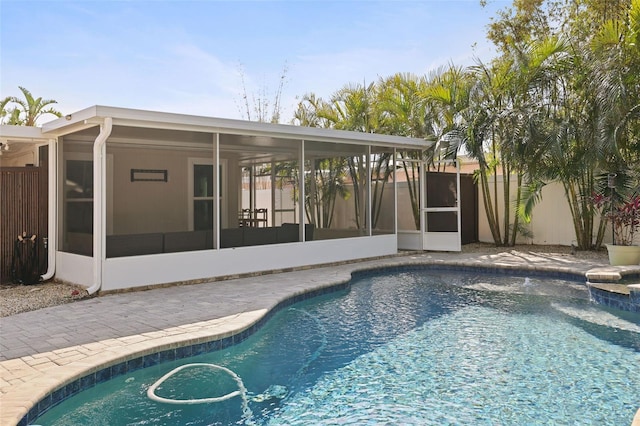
146,198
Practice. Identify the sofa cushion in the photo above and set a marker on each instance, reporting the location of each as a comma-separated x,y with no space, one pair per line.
260,236
288,233
185,241
134,244
231,237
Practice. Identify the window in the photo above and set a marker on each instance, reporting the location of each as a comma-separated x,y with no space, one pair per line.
201,193
202,196
78,188
77,203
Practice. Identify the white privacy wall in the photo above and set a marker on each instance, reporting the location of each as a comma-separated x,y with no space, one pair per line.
551,221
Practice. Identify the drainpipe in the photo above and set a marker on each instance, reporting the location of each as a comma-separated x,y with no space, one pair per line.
99,227
51,242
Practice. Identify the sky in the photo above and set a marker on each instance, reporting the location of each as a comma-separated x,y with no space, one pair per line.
200,57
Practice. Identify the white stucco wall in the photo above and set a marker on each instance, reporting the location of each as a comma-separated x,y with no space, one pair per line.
136,271
145,207
551,221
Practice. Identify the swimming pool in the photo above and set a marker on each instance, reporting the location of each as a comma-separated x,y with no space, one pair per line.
412,347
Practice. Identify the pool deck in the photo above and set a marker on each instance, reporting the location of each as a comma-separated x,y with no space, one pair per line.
42,350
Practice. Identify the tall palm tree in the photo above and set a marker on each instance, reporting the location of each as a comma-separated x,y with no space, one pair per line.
401,107
482,135
327,182
533,83
354,108
581,110
446,96
508,104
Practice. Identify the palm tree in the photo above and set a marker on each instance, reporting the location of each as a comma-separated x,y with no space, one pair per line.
327,182
594,126
481,136
507,110
9,115
401,107
616,82
28,110
576,117
446,96
354,108
533,83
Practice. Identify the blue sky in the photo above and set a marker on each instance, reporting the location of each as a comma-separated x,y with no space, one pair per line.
188,56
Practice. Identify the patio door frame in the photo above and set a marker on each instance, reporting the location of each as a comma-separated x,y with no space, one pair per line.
439,241
221,179
421,239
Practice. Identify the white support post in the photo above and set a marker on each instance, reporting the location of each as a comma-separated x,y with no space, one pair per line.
273,193
368,212
422,176
301,192
458,203
216,191
252,191
395,191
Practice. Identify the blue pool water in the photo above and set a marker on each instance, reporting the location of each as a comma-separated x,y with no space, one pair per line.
415,347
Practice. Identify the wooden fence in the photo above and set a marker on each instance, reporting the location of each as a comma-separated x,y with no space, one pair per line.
23,209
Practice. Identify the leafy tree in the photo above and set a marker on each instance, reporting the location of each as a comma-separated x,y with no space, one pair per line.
524,22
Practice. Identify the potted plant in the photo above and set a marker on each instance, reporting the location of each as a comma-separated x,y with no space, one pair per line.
625,221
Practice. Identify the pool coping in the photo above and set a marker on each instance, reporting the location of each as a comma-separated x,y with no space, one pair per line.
50,377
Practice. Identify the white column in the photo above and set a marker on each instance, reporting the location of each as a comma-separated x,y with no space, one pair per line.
369,197
273,193
216,191
422,176
301,193
458,203
395,192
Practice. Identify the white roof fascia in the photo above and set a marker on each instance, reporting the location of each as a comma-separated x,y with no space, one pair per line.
71,122
162,120
10,133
